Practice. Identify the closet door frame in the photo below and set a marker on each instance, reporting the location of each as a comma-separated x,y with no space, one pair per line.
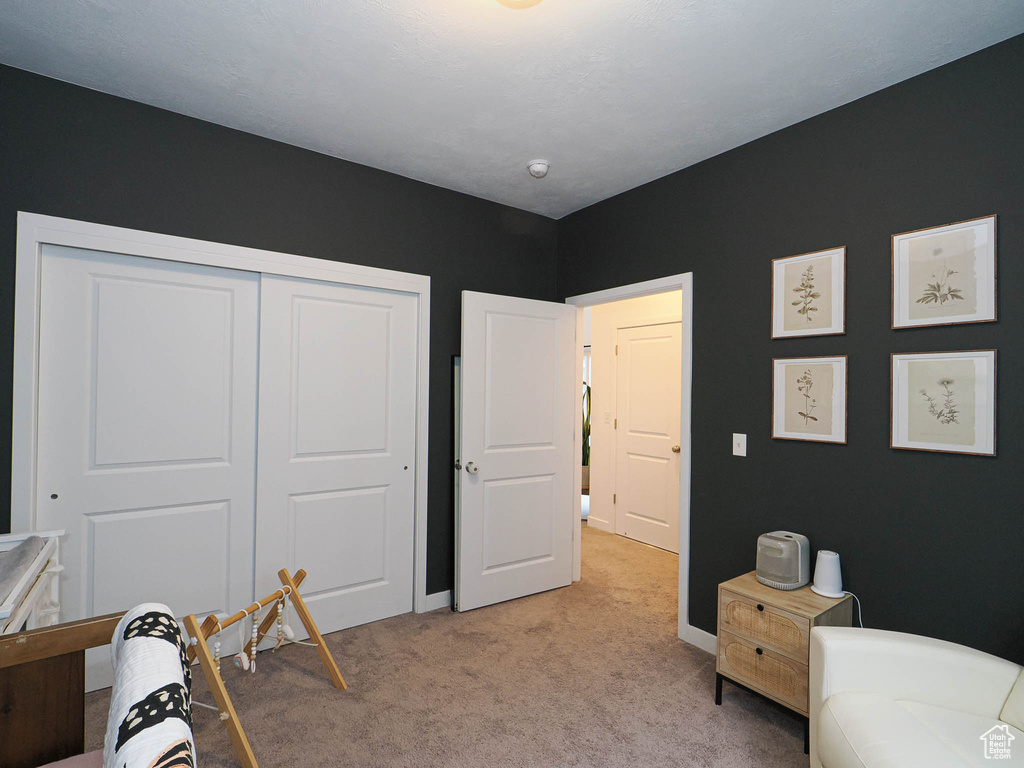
36,230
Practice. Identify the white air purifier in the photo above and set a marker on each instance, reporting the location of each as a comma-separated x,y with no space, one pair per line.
783,560
828,582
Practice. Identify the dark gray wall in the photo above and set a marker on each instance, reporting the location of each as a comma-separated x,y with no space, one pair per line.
932,543
67,151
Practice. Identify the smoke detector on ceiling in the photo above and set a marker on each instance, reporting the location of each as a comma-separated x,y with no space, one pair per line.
538,168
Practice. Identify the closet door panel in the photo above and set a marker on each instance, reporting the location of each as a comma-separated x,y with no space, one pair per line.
336,447
326,424
118,574
147,431
354,522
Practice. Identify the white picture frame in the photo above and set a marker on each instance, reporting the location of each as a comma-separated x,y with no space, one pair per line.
944,402
809,399
945,275
809,294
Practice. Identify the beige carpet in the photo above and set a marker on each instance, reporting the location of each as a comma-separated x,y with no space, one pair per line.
589,675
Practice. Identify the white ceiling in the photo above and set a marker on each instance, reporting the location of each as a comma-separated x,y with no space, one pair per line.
464,93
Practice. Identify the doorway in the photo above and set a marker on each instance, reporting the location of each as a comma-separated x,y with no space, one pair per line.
683,283
635,379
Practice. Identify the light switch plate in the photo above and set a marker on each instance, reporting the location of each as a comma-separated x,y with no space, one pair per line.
739,444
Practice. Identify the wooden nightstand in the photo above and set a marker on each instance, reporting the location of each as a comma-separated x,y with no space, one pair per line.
764,638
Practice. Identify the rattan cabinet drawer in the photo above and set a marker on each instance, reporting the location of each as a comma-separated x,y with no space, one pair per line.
776,676
765,625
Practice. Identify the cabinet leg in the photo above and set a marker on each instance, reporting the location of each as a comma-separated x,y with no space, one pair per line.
807,736
718,689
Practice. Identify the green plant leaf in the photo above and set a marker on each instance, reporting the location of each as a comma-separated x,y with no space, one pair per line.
812,418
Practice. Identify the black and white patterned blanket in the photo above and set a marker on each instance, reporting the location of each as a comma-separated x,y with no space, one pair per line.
150,719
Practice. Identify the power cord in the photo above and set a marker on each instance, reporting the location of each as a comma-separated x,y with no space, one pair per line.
860,612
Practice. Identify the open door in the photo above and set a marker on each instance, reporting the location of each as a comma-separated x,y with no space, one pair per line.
514,532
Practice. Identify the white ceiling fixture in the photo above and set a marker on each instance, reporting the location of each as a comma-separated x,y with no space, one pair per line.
538,168
456,92
519,3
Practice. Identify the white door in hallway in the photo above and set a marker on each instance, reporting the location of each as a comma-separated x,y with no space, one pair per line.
514,533
147,432
647,445
337,427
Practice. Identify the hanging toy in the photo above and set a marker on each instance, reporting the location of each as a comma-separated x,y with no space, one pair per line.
284,632
255,638
241,659
285,629
216,649
280,623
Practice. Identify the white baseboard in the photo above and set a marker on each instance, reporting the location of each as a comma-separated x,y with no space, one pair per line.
698,637
438,600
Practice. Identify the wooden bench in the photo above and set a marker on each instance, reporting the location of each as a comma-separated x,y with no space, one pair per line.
42,690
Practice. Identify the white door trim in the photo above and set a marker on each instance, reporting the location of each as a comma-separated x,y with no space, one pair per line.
683,282
36,230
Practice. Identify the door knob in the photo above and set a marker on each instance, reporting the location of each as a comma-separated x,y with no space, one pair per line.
675,449
472,468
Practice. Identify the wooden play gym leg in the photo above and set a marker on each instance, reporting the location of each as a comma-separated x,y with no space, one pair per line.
220,694
314,634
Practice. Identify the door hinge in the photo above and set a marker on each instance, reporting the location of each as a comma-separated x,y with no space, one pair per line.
614,499
458,464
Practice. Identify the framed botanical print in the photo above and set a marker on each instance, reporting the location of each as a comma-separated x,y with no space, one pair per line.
945,401
945,275
809,294
809,399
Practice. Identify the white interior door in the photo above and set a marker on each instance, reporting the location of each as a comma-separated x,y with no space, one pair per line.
514,534
147,431
647,445
337,433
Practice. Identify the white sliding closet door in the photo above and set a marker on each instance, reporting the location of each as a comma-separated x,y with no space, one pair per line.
147,431
337,429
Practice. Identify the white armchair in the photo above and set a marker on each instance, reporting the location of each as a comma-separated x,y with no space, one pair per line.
890,700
